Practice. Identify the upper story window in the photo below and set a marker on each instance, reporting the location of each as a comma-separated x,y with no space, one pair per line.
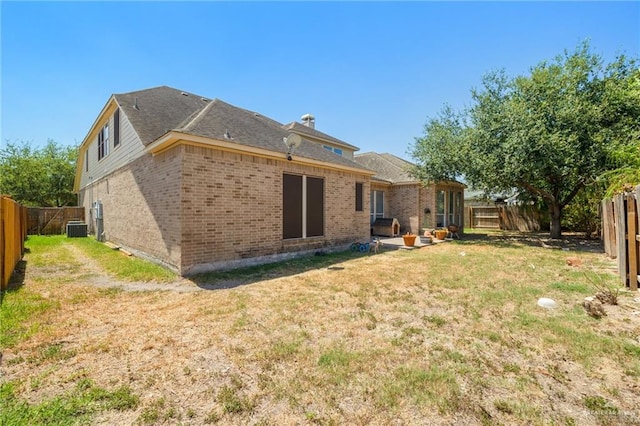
103,142
333,149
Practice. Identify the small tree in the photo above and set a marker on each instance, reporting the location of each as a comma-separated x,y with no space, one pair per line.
38,177
549,134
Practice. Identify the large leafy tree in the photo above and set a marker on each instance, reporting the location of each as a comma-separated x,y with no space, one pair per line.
549,134
623,101
38,176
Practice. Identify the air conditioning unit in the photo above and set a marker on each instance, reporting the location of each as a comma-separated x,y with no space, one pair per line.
76,229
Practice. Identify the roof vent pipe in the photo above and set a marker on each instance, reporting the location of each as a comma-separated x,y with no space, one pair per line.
135,103
309,120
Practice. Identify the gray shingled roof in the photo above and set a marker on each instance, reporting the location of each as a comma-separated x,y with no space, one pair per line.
305,130
158,110
388,167
163,109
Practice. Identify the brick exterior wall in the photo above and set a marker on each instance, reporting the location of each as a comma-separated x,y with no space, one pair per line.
405,205
141,206
232,209
196,209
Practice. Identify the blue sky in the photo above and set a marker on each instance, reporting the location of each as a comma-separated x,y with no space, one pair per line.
370,72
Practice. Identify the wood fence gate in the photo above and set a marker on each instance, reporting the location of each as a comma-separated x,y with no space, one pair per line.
52,220
620,233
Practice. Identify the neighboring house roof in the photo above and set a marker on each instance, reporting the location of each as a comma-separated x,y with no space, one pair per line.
508,197
388,167
479,195
155,112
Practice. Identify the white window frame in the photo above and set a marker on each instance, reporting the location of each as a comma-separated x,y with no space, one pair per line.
441,208
103,142
333,149
450,212
373,206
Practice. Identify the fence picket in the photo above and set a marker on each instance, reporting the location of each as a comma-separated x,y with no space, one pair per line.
621,235
608,225
621,227
632,249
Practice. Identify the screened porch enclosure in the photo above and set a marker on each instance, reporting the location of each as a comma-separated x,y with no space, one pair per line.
449,207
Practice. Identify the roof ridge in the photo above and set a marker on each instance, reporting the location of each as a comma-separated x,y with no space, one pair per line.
406,166
388,167
387,160
190,122
388,154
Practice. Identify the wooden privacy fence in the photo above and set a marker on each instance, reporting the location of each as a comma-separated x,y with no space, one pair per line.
510,218
620,232
52,220
13,233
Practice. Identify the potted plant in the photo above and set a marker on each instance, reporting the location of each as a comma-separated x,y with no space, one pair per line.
441,234
409,239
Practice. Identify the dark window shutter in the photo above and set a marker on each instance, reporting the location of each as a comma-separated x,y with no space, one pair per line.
315,207
291,206
359,197
116,128
100,144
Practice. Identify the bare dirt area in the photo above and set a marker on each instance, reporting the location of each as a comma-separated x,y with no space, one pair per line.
446,335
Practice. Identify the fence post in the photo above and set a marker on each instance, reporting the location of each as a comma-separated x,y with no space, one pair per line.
621,236
632,250
606,211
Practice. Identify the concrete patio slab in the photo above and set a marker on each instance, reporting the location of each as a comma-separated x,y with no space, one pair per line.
396,243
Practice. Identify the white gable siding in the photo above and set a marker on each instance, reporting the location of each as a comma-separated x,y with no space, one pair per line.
129,149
